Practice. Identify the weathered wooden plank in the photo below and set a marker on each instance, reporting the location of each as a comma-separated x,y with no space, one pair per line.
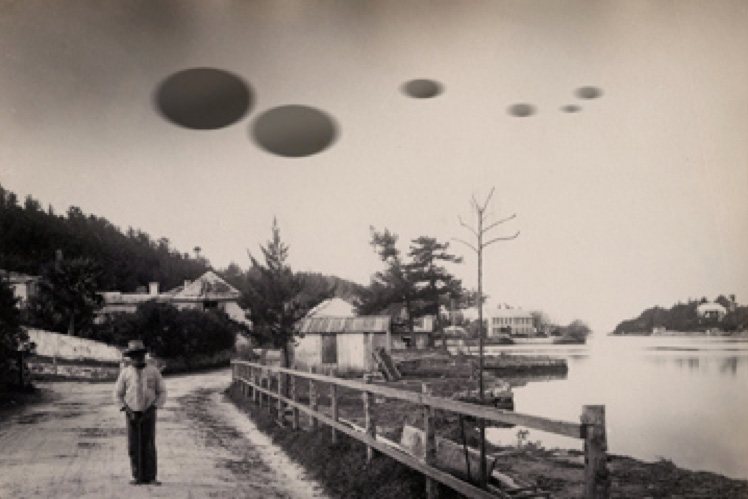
312,400
596,474
334,409
369,422
429,447
280,416
295,423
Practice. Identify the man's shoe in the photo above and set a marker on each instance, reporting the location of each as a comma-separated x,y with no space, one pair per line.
153,482
135,482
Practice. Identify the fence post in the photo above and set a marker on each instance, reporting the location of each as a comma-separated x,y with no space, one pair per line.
370,423
255,384
295,398
281,416
429,443
596,475
265,384
260,385
334,407
312,400
269,387
247,375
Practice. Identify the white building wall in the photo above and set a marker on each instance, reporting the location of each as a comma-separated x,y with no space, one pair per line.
518,320
352,352
308,352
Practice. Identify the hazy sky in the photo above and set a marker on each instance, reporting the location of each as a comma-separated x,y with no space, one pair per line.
639,199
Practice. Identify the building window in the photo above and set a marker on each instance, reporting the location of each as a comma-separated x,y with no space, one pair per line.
329,349
210,305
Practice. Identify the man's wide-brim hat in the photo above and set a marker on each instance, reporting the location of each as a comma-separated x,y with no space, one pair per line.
134,347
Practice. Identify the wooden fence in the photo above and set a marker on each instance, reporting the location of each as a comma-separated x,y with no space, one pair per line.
254,380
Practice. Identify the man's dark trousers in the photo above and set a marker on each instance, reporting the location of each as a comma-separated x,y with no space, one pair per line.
141,437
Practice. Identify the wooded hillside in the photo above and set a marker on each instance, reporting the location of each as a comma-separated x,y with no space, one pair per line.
32,235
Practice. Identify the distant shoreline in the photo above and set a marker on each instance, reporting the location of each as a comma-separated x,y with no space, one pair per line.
698,334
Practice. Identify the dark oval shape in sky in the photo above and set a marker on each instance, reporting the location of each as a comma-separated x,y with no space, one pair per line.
589,92
422,89
294,131
521,110
204,98
571,108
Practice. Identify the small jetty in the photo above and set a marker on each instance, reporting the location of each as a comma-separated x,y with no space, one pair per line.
522,364
438,363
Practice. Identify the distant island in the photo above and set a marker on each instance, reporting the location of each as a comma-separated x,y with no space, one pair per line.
723,317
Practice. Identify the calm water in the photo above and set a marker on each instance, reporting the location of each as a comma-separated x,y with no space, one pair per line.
684,399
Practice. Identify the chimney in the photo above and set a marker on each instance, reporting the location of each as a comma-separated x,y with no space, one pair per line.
187,282
153,288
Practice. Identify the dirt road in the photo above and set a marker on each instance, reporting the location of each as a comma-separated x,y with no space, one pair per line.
75,446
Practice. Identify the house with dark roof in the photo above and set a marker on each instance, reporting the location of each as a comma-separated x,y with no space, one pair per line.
207,292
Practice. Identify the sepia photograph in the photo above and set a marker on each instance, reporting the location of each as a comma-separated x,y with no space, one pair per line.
341,249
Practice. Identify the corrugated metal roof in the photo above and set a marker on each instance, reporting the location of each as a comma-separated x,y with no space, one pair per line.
341,325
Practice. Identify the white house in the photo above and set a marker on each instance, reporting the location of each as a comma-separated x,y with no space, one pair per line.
346,344
512,321
712,310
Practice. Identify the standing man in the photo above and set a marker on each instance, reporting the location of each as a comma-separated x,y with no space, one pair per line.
139,391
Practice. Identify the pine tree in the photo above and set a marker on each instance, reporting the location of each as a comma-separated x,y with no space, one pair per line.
436,286
274,296
67,297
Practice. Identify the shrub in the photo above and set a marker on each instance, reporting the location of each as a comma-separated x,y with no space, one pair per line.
171,333
12,336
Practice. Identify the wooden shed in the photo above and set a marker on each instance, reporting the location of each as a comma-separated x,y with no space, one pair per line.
343,343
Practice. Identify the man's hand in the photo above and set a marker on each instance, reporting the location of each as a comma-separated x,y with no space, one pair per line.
131,415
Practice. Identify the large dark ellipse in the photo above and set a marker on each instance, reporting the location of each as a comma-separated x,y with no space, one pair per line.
204,98
589,92
294,131
422,89
521,110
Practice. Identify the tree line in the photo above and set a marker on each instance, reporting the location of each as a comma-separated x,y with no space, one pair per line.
684,317
32,237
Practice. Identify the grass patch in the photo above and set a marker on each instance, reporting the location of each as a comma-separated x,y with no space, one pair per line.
340,468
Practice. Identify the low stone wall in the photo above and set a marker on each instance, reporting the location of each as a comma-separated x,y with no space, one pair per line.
49,344
44,368
59,369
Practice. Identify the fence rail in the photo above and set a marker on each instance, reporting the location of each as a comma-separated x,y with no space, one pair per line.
254,380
